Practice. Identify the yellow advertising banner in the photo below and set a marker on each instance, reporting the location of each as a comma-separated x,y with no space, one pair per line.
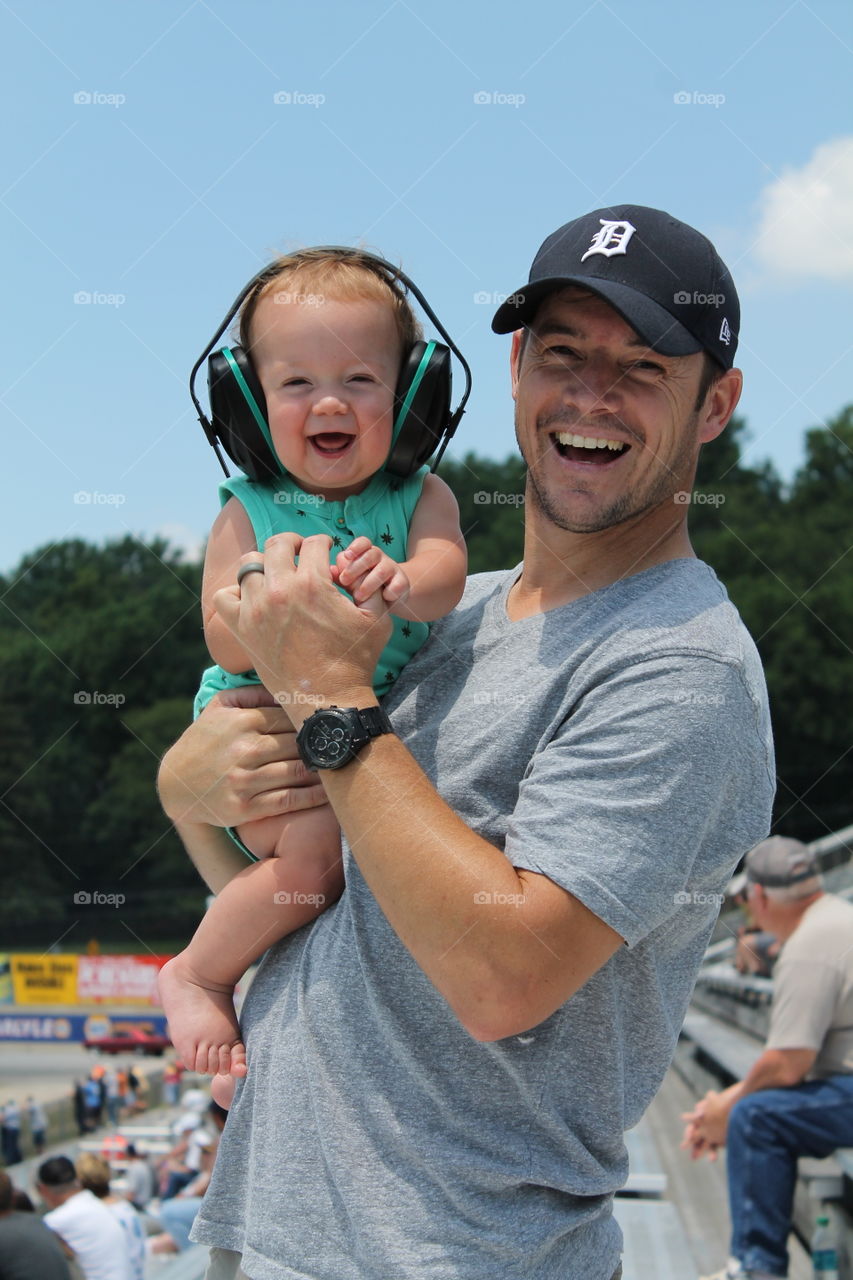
44,979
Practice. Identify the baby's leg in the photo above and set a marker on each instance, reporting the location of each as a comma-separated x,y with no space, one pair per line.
284,890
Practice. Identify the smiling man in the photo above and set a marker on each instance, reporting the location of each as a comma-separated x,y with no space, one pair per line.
535,855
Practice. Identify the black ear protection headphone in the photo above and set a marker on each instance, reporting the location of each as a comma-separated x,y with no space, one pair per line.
423,420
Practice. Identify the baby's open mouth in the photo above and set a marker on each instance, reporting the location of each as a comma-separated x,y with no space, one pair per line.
332,443
591,449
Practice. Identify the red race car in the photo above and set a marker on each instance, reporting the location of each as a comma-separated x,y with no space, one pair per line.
129,1040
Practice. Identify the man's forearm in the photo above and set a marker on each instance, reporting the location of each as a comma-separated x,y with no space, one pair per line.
476,926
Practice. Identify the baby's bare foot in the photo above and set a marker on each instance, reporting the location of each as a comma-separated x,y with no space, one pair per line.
222,1091
202,1021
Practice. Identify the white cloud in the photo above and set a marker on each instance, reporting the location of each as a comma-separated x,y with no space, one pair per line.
806,226
181,538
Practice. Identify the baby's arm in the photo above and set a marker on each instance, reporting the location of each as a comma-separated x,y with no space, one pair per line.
231,537
430,581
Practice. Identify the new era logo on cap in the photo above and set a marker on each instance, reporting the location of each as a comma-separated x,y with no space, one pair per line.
663,277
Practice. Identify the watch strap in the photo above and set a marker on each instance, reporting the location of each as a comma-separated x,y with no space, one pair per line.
374,721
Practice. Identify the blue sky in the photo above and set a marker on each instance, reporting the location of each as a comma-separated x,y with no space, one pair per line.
150,167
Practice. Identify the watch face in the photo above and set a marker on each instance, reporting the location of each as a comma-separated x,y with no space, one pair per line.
328,739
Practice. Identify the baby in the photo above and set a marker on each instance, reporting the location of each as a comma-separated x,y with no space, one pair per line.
326,333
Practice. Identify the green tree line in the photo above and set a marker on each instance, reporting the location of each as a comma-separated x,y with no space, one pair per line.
101,648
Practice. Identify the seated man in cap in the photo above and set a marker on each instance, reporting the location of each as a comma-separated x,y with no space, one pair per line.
578,758
798,1098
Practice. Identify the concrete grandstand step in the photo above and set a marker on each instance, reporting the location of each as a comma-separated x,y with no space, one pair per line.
730,1050
655,1242
189,1265
646,1176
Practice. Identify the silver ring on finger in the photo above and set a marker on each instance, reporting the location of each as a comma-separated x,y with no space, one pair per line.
253,567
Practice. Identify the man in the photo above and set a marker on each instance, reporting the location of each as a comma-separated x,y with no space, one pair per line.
38,1124
442,1067
11,1133
797,1100
27,1248
85,1227
139,1179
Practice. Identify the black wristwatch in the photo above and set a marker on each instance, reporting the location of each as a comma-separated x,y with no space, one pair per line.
330,738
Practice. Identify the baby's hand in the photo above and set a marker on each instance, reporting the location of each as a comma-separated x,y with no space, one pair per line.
363,570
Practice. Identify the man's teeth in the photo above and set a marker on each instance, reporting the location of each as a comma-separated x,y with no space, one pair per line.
588,442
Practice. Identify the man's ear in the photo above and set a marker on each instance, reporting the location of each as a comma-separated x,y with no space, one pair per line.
720,403
516,352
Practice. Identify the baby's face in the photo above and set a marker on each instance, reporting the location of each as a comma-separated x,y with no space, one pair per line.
328,370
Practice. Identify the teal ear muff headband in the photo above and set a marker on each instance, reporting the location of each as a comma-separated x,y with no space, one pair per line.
423,421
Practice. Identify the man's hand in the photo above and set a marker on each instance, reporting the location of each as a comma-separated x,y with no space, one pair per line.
238,761
705,1130
364,569
309,645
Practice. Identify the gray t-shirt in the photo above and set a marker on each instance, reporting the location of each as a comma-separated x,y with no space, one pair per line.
619,745
813,988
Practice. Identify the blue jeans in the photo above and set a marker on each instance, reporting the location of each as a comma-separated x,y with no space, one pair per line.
177,1217
767,1131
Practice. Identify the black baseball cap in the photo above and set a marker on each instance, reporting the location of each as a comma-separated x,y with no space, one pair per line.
663,277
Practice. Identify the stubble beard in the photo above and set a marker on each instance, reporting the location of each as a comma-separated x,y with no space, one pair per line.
668,480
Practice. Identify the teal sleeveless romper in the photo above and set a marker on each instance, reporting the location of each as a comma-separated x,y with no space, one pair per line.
382,512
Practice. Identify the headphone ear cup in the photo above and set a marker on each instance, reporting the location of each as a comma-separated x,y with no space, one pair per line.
421,407
235,418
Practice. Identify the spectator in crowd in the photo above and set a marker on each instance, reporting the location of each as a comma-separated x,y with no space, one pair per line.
90,1233
38,1124
80,1117
140,1178
756,951
113,1096
28,1249
11,1133
797,1099
94,1175
93,1100
178,1214
183,1163
172,1082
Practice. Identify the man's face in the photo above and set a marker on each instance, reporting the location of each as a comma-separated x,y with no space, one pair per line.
584,376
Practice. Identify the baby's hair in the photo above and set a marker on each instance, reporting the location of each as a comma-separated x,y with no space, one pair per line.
311,276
